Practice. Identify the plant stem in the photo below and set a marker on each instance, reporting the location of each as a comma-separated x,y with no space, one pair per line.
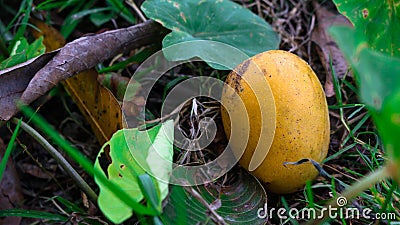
60,160
218,219
354,190
137,10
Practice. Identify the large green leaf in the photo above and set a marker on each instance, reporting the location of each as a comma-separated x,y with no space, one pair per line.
210,20
378,20
379,80
240,199
133,153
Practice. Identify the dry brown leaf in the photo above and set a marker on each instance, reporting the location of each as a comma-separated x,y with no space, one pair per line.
86,52
99,106
82,54
52,39
38,172
14,80
10,189
327,46
96,103
116,83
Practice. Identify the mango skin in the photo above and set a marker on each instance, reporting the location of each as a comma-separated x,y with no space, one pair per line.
301,116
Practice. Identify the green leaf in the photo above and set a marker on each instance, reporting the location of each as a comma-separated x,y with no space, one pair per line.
36,48
241,200
101,18
119,7
70,23
379,21
22,52
133,153
210,20
379,81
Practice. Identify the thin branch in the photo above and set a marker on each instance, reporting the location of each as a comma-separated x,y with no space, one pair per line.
132,4
60,160
216,216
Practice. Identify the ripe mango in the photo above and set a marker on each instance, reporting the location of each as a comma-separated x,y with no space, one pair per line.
284,118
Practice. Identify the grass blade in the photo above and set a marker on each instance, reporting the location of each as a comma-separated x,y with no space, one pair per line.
8,150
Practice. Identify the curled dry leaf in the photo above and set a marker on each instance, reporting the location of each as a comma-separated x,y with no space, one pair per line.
10,189
14,80
86,52
327,48
96,103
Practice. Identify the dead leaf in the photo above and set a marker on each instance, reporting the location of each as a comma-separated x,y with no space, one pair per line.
14,80
116,83
52,39
96,103
39,172
86,52
10,189
32,79
134,103
328,49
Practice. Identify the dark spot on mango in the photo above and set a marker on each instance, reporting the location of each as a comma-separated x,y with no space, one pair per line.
365,13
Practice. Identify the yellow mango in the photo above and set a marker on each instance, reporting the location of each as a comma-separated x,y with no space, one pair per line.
284,119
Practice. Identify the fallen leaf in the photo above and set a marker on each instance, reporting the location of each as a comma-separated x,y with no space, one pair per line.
14,80
52,39
116,83
96,103
37,171
10,189
86,52
30,80
327,48
133,103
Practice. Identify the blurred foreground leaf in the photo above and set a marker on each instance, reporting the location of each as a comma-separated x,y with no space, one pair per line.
379,81
379,21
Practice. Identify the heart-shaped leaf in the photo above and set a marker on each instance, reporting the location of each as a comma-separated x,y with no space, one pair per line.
210,20
237,202
378,20
130,154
